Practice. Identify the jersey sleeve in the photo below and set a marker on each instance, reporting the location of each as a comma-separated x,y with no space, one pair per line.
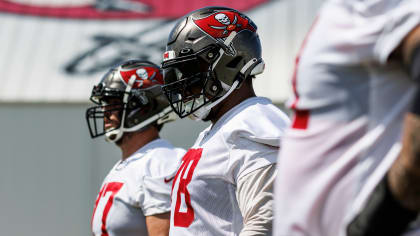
155,195
247,155
400,17
253,137
255,198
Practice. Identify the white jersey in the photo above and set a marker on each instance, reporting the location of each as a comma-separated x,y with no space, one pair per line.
137,187
350,98
243,140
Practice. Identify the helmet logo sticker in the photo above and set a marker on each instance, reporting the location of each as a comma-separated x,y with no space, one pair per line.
145,76
224,19
220,24
142,73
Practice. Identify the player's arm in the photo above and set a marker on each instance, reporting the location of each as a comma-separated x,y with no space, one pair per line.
404,175
158,225
255,198
396,199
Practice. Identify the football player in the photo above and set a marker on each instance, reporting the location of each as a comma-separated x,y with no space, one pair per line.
225,182
398,193
355,82
134,198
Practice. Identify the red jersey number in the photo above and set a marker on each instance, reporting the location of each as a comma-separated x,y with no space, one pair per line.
185,172
112,187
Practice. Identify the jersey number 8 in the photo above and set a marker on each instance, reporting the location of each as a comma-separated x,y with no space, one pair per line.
185,216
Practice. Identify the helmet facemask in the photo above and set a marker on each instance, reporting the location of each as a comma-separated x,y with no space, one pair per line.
96,116
128,110
190,83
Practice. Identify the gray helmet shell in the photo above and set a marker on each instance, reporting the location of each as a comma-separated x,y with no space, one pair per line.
203,28
223,39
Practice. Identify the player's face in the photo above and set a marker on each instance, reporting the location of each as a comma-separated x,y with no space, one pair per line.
112,113
185,85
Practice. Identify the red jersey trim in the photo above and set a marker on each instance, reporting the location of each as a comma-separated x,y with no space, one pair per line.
301,119
297,60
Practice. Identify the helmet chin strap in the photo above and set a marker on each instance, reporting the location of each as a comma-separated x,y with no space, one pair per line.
115,135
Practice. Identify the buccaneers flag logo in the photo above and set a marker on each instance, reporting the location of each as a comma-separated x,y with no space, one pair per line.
219,25
145,77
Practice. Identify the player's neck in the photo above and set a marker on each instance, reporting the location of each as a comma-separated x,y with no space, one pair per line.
237,96
134,141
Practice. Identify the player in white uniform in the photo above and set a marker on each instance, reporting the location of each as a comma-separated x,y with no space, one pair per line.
351,94
134,198
225,182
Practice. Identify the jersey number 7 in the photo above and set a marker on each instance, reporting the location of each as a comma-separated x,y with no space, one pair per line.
113,188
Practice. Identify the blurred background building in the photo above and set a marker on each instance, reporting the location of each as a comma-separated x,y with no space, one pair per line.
51,54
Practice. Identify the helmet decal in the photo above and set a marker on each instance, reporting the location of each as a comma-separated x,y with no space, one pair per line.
142,73
145,77
168,55
220,24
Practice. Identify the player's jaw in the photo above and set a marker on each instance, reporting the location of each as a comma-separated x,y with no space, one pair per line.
112,114
111,121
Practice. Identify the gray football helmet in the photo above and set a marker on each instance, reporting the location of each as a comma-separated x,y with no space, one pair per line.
133,89
208,55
